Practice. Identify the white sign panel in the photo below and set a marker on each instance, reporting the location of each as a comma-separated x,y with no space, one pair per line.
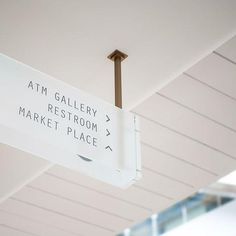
54,121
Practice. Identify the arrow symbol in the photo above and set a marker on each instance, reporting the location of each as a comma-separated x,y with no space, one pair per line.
108,133
108,119
108,147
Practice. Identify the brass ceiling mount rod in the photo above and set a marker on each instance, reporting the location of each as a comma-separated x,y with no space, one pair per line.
118,56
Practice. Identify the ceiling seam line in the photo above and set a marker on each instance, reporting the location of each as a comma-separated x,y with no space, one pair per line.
78,203
196,112
154,192
97,191
209,86
18,230
62,214
168,177
224,57
189,137
38,222
180,159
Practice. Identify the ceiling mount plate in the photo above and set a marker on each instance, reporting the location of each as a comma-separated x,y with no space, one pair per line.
117,53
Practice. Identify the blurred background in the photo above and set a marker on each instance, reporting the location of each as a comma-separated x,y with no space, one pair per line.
211,211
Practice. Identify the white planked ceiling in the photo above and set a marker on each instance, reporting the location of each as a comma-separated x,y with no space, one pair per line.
188,141
70,39
188,127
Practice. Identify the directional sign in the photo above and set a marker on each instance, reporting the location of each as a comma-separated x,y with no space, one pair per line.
64,125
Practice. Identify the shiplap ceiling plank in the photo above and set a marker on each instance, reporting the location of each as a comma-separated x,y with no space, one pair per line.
134,195
184,148
162,185
21,163
21,224
228,51
89,198
173,168
52,218
216,72
199,98
184,121
9,231
63,206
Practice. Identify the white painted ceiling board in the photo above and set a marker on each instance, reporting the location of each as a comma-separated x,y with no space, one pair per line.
8,231
163,186
71,209
203,100
228,50
184,148
71,39
29,226
216,72
186,122
52,218
21,167
174,168
89,198
163,183
133,195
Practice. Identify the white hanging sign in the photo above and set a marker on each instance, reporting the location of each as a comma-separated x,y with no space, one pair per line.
64,125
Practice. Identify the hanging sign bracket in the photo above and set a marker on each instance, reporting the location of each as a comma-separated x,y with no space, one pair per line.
118,56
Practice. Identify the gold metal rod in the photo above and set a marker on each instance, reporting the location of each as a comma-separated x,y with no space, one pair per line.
118,57
118,82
